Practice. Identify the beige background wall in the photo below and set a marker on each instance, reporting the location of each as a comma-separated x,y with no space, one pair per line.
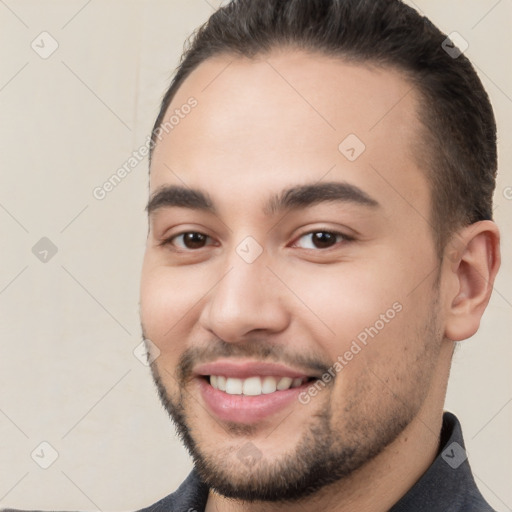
68,375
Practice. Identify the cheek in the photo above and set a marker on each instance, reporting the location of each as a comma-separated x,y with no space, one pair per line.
344,299
362,303
169,302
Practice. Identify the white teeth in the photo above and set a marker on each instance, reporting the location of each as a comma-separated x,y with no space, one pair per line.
234,386
221,383
296,383
269,385
284,383
253,386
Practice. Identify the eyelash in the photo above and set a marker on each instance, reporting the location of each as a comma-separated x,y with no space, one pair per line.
169,241
344,239
336,234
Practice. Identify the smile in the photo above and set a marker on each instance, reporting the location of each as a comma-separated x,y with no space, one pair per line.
254,386
249,391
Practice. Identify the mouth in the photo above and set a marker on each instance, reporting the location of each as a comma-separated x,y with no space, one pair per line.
255,385
250,392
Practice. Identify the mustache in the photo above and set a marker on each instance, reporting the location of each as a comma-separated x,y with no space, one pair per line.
259,350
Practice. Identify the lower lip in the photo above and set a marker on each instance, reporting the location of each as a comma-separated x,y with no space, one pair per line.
244,408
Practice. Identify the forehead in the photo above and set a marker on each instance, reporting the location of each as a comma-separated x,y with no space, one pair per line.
294,116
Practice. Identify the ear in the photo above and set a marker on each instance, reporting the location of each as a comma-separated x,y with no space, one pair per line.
473,258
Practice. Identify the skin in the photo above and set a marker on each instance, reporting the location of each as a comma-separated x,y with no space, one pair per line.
252,136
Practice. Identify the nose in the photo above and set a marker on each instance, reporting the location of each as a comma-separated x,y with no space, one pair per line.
246,301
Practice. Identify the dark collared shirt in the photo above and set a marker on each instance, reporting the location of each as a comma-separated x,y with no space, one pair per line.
447,486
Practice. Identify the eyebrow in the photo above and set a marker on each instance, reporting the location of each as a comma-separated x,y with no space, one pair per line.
301,196
182,197
308,195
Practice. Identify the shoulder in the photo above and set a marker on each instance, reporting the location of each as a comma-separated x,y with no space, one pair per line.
191,496
448,485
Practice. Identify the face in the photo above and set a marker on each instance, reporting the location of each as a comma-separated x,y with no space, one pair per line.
290,280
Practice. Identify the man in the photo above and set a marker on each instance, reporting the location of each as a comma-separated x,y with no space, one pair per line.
320,238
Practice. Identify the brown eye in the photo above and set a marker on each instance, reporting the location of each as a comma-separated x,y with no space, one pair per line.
319,240
190,240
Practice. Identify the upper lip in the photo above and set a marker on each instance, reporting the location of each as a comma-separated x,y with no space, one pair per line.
246,369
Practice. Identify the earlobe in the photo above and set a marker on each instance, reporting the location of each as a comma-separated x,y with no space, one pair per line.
474,255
